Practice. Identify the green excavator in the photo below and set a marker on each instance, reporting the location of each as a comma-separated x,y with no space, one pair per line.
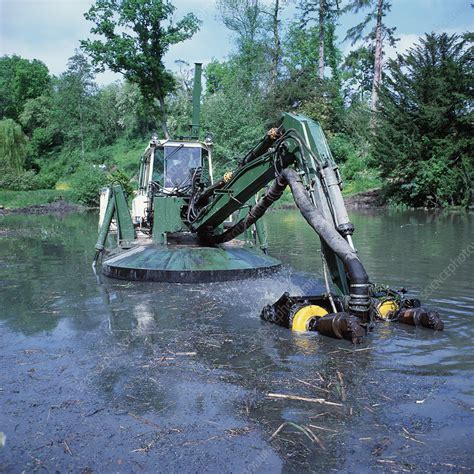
186,227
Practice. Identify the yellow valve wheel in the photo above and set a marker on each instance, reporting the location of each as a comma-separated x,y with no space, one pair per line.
386,308
303,315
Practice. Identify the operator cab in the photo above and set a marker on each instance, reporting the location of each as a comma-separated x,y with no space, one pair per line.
174,162
166,169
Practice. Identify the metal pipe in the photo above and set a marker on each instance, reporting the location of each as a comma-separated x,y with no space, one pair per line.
196,100
104,229
332,183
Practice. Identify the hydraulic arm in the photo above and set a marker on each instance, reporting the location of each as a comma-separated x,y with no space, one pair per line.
296,154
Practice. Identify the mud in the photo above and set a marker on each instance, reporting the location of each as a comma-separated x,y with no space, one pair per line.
365,200
56,207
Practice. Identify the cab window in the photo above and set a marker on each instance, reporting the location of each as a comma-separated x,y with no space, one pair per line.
179,160
158,165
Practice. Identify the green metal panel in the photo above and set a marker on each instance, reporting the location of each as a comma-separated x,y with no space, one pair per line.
261,234
166,217
188,264
104,229
124,221
117,205
313,134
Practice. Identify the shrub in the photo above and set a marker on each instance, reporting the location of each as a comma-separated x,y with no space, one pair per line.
86,184
26,181
342,148
119,177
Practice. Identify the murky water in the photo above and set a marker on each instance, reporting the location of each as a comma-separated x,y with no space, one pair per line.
114,376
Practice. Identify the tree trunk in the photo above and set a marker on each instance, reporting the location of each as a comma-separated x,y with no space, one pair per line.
276,43
163,118
82,130
322,15
378,57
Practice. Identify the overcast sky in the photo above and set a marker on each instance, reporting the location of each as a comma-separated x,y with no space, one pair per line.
50,30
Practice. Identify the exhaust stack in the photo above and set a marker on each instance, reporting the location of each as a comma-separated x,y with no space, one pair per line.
196,100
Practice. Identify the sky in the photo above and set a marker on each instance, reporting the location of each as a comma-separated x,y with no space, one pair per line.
50,30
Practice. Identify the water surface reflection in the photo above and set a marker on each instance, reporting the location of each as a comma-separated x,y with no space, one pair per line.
131,376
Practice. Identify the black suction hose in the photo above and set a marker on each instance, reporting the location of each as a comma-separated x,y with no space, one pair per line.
359,302
273,193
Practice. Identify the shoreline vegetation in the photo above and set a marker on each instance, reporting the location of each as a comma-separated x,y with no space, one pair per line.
51,201
403,125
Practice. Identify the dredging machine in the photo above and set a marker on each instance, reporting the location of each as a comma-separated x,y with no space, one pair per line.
185,226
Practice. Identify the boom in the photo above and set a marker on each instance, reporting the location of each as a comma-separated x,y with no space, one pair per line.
295,154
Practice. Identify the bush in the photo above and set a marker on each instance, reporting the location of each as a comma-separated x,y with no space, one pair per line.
436,185
119,177
342,148
26,181
86,184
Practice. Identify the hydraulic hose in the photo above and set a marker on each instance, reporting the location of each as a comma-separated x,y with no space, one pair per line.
359,299
273,193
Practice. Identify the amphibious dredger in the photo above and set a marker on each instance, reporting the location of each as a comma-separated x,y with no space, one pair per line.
184,226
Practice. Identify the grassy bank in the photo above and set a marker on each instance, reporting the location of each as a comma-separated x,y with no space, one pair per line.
19,199
124,155
361,185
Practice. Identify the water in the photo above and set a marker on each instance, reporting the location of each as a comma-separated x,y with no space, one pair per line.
118,376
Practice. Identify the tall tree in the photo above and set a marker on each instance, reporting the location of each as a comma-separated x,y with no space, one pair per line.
275,13
324,13
358,74
136,36
74,102
423,141
79,78
248,20
21,80
378,35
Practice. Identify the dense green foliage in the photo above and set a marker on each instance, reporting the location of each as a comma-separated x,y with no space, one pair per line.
68,132
12,146
424,140
20,80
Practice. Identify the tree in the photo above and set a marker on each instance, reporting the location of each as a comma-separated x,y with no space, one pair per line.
20,80
299,52
325,11
44,133
275,50
231,112
424,145
248,20
75,97
358,74
12,146
379,35
136,36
